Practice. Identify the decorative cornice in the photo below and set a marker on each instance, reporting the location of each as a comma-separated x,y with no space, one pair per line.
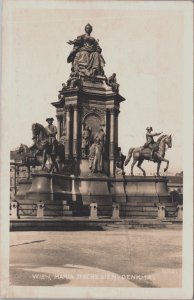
58,104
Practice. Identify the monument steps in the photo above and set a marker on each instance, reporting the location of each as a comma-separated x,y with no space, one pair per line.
84,223
130,209
139,213
138,204
136,208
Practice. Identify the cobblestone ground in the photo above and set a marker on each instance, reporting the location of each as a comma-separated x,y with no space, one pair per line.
133,258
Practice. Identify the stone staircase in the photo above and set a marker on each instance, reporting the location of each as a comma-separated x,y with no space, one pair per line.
28,208
134,209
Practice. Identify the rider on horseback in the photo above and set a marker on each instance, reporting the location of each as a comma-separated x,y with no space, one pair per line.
150,143
51,131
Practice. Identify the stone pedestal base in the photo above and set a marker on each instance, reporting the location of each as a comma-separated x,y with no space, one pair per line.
95,188
138,197
46,186
139,188
118,189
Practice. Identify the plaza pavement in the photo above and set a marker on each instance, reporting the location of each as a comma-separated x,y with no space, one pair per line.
120,258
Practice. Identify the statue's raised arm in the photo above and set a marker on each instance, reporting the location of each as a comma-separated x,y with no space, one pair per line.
86,57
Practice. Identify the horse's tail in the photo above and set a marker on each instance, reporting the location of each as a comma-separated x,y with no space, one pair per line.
130,152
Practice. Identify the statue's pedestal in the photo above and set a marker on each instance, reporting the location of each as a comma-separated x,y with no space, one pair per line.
50,187
95,189
118,189
141,188
93,104
137,196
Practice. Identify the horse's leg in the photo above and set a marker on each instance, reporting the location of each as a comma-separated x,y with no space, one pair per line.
53,164
132,165
167,164
44,158
139,166
56,165
164,160
158,168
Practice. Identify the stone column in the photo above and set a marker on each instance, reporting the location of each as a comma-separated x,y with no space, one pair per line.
75,130
116,128
58,127
112,140
64,125
68,121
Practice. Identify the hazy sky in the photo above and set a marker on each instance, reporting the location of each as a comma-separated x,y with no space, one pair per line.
145,47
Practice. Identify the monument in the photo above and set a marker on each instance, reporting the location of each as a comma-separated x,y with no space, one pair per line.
86,162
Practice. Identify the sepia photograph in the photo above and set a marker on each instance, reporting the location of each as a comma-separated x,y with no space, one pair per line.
97,149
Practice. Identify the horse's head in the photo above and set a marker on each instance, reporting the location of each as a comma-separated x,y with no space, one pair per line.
165,139
38,132
35,131
168,141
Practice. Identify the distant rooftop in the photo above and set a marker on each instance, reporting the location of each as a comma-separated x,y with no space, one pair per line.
175,179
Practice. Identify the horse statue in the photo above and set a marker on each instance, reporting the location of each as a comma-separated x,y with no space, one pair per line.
139,154
44,148
28,158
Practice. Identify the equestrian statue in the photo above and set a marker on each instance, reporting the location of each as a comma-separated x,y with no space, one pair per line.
46,144
151,150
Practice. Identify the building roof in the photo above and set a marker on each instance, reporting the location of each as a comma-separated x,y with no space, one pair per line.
175,179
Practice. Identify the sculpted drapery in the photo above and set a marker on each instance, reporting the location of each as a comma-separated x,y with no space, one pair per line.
86,57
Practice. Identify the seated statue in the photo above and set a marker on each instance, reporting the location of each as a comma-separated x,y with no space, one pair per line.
74,79
112,81
86,57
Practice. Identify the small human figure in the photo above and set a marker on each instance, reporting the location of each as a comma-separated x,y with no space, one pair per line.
112,81
51,132
60,95
74,79
120,159
150,143
92,151
86,139
102,137
64,87
97,163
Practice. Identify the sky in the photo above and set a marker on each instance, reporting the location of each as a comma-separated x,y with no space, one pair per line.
144,46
